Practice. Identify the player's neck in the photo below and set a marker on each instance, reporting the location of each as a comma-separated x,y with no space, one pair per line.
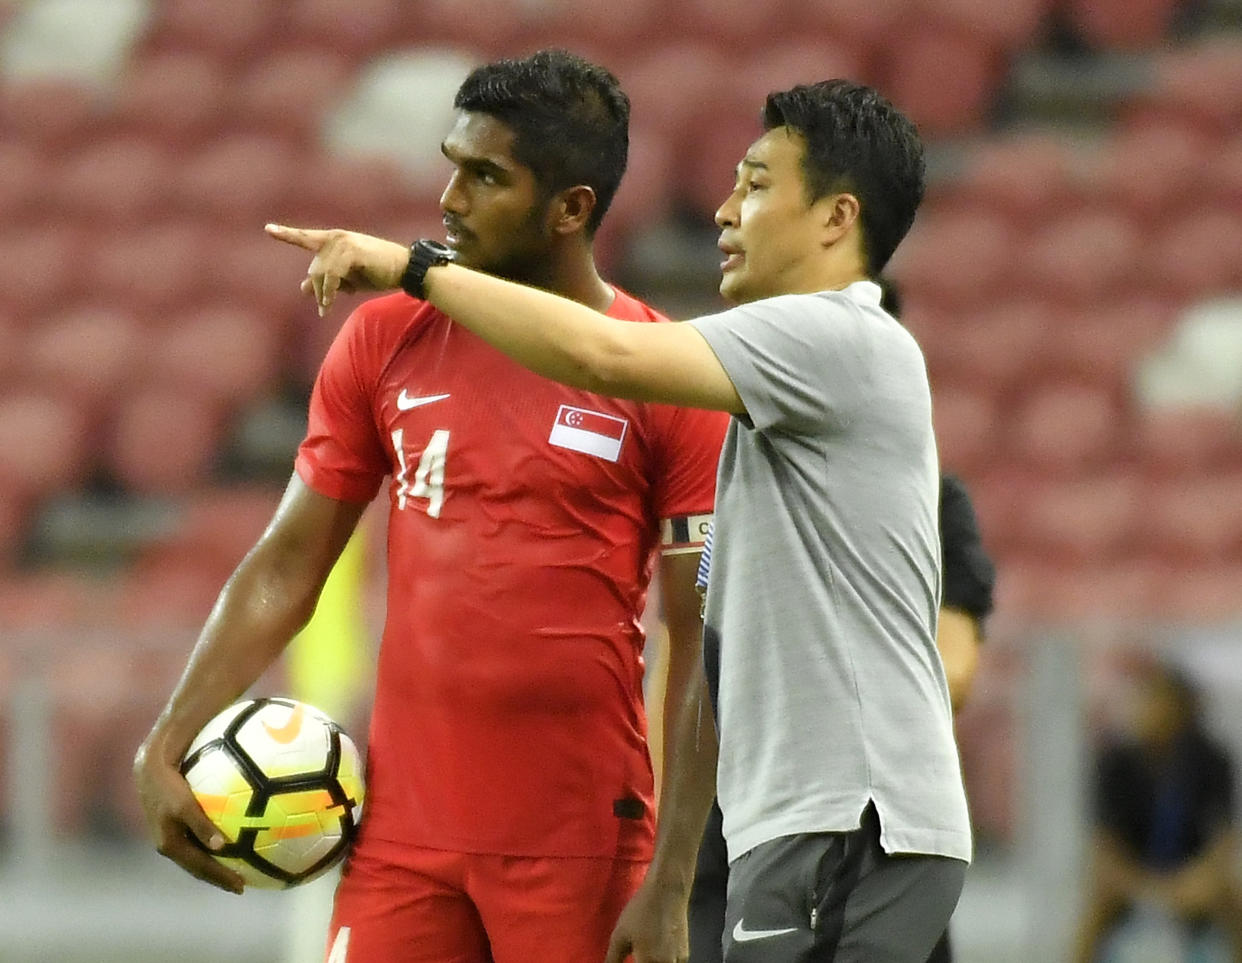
576,277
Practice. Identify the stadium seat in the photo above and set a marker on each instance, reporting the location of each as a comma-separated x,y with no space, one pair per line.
46,442
52,115
1019,177
1194,519
1198,83
1011,26
169,590
1224,174
733,26
229,30
1091,519
967,427
40,265
115,182
354,28
672,85
709,151
163,441
1198,253
290,92
86,352
595,30
1067,429
178,97
377,117
943,79
1121,25
865,26
259,275
482,29
1204,594
990,348
152,270
1083,257
23,182
957,258
227,355
791,61
1186,442
647,190
1152,168
236,178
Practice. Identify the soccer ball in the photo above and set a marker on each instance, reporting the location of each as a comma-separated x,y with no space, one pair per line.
283,784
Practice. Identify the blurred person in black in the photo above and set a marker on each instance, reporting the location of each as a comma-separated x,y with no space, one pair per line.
1164,846
968,576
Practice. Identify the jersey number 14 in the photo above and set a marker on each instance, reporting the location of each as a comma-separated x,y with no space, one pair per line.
428,480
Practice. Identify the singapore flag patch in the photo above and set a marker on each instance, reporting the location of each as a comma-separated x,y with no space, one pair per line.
589,432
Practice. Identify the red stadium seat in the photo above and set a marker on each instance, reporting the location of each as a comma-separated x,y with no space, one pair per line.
230,30
967,427
992,347
789,62
87,352
1092,519
1010,25
1198,254
596,31
1083,257
354,28
646,192
1122,24
488,28
115,182
1224,174
169,591
943,79
1194,519
41,265
177,96
1197,84
23,182
221,524
237,178
1151,169
1203,594
1186,442
1019,177
957,258
709,155
862,25
1067,429
51,114
45,442
291,91
225,354
163,441
153,269
674,84
732,25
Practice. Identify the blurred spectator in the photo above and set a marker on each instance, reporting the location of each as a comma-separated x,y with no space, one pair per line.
1161,885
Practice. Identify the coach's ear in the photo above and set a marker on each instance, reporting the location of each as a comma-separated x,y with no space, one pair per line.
571,209
840,216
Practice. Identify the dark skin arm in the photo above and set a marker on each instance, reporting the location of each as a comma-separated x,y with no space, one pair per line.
268,598
653,925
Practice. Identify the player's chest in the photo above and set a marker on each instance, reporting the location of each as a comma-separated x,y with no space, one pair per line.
473,423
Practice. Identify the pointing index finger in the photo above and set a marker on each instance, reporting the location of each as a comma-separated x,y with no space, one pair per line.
300,237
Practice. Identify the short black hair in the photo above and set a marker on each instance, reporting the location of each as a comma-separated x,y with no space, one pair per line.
570,120
856,141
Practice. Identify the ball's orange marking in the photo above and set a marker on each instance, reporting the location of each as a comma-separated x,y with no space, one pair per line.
289,731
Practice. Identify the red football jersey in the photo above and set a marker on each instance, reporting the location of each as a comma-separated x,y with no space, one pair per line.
523,526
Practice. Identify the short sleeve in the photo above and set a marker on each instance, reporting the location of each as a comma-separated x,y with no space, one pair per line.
342,456
689,442
969,573
796,361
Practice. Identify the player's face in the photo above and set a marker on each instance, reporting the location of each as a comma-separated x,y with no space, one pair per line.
492,205
769,233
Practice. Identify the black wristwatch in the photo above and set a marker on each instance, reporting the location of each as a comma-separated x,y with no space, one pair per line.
424,254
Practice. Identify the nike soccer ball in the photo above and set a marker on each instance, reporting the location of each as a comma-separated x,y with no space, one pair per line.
283,783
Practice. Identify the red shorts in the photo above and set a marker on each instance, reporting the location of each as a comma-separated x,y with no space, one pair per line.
443,907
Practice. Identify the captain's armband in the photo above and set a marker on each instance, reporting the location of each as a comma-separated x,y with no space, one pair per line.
684,534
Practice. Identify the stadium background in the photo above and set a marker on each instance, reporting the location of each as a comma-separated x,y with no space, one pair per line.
1075,279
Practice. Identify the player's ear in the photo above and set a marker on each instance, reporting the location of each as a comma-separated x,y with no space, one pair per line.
571,209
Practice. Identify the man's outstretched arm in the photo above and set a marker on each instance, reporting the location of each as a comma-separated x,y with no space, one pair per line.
552,336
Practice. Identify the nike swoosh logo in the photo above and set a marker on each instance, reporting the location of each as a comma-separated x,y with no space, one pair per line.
289,731
405,402
742,935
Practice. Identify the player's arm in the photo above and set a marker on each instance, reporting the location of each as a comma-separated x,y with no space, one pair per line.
957,638
653,925
268,598
552,336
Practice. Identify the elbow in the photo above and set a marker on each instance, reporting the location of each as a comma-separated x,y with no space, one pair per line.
606,365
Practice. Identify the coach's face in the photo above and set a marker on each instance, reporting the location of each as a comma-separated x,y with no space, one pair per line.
492,205
773,239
